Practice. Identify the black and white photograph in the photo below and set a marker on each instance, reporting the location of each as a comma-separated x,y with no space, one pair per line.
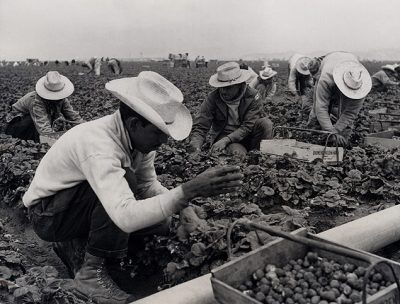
199,151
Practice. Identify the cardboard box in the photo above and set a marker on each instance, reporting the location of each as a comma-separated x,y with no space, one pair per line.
301,150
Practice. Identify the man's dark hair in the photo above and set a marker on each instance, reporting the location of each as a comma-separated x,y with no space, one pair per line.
127,112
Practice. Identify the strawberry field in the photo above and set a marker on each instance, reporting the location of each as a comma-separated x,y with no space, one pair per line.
278,191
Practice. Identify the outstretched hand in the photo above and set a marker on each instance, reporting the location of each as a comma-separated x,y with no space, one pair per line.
220,145
214,181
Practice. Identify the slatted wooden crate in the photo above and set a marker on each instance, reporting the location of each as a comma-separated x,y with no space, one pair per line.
227,278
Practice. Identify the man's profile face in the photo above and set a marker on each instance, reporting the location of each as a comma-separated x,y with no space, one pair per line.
146,137
230,92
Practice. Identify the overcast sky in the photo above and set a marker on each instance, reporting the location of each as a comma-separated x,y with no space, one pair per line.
66,29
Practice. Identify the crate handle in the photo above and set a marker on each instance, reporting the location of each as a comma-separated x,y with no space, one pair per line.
313,131
368,272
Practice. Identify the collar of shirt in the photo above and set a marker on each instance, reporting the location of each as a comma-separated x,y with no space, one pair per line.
126,140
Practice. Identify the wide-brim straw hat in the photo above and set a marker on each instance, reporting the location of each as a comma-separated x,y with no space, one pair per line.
302,65
155,99
229,74
267,73
389,67
352,79
54,86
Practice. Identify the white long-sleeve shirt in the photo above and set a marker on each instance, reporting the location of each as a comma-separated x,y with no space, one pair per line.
99,151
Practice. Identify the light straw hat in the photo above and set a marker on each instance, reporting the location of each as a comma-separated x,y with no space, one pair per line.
302,65
155,99
229,74
389,67
267,73
54,86
352,79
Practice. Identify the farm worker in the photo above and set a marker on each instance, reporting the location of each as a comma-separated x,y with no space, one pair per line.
233,112
300,82
114,65
98,180
94,64
339,94
35,113
265,83
381,80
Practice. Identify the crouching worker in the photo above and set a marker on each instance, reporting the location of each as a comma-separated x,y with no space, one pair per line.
35,113
98,180
339,94
234,113
265,84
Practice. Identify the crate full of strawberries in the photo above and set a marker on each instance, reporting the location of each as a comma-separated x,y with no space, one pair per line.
287,272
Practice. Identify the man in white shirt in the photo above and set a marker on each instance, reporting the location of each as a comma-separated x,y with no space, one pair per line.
98,180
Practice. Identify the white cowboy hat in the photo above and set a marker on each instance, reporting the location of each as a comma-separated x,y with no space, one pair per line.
229,74
352,79
389,67
54,86
302,65
155,99
267,73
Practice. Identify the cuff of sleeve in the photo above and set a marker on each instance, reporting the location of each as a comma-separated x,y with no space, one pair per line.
173,201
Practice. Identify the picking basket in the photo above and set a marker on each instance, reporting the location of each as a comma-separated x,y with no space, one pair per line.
226,279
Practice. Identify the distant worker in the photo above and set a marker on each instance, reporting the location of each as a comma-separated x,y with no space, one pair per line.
300,82
114,65
381,80
265,83
233,112
94,64
339,94
243,65
35,113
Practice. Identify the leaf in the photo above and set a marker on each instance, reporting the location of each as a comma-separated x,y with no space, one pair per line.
290,211
267,191
251,209
5,273
354,175
198,249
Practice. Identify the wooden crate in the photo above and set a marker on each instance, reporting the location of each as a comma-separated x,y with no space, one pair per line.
227,278
385,139
300,150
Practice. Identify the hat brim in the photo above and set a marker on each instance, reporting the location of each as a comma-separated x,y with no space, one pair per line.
389,68
43,92
265,78
214,82
299,69
348,92
179,129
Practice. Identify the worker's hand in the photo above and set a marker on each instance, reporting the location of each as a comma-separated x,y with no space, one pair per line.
339,139
220,145
214,181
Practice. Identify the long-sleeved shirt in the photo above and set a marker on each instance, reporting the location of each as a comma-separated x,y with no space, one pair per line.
381,80
100,152
327,96
298,84
44,112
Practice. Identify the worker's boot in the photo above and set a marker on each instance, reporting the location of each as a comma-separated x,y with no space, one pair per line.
92,282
